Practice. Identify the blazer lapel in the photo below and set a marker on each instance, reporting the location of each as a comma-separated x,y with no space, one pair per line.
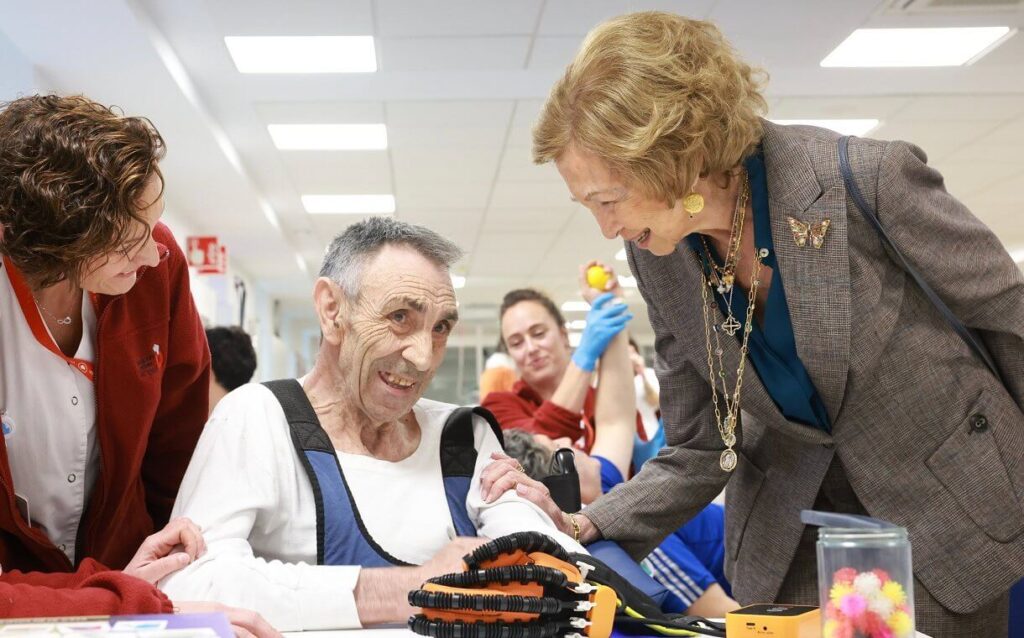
816,280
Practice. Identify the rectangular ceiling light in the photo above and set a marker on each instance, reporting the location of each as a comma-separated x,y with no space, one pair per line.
844,127
349,204
458,281
329,137
621,255
954,46
303,54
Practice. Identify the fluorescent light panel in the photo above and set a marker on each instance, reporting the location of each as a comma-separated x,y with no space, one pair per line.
329,137
916,47
303,54
621,255
576,324
845,127
458,281
349,204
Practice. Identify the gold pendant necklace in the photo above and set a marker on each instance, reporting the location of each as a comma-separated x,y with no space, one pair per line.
727,426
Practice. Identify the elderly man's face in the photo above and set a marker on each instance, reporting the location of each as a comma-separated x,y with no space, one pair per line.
397,332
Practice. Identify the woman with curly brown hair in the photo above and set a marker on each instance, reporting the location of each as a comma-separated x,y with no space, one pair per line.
800,361
103,359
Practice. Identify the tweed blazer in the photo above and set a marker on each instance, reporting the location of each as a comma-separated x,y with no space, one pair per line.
927,436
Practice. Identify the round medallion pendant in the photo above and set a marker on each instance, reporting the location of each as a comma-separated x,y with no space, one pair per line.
728,460
729,439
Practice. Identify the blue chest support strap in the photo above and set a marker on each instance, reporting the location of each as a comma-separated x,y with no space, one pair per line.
341,535
458,461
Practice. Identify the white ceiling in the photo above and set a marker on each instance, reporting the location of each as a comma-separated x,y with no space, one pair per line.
458,86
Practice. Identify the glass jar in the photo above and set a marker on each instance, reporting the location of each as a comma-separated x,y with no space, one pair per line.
865,583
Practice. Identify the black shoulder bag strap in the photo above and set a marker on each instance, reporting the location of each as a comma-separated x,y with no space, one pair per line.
869,214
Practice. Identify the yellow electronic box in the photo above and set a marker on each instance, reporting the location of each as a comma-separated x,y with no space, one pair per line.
774,621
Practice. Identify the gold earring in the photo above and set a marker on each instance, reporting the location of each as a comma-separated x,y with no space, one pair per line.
693,203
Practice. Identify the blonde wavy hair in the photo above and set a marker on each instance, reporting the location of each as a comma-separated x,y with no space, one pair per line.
660,98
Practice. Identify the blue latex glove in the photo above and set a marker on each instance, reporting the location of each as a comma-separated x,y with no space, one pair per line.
604,321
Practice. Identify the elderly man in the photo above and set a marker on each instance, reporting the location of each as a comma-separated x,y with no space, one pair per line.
324,500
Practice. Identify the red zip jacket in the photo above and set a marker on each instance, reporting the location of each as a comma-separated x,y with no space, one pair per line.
151,372
91,591
524,409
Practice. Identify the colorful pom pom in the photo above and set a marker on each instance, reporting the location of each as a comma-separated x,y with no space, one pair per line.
901,624
839,590
867,583
845,575
853,605
882,575
894,592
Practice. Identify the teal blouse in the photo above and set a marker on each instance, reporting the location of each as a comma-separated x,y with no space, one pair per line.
772,348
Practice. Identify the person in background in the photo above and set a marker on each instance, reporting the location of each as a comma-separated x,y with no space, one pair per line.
93,447
648,406
798,359
555,395
499,373
233,359
324,500
689,562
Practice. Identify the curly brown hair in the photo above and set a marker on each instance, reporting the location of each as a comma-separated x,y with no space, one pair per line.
660,98
71,173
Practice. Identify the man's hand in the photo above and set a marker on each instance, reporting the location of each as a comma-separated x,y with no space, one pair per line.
167,551
449,559
247,624
505,473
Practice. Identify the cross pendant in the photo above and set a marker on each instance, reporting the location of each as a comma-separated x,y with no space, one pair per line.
731,326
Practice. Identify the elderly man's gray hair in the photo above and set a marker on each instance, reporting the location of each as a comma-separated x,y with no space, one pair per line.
359,242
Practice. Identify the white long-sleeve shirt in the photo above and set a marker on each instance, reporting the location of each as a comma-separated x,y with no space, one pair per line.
250,494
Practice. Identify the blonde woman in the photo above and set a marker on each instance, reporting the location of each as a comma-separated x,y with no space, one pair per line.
798,361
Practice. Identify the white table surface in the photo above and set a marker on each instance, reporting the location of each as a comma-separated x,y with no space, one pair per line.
381,633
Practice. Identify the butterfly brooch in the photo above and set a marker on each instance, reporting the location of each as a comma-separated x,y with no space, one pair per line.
802,231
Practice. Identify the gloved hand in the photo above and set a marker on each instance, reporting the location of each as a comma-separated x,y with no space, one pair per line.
604,321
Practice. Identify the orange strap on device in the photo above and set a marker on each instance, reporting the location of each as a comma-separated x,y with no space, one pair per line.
518,586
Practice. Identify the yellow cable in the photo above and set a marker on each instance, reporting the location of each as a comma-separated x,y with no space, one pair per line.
667,631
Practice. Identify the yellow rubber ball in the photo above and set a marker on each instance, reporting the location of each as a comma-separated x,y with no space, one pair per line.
597,278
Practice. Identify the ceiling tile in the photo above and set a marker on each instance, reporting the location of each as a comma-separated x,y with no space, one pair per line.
577,17
787,108
507,254
321,112
457,194
426,164
962,107
517,166
432,54
554,52
397,18
548,194
519,219
297,17
338,172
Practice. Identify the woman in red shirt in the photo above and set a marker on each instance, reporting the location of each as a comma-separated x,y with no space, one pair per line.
103,360
555,394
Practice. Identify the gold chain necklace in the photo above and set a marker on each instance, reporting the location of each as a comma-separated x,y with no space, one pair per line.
727,427
726,274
